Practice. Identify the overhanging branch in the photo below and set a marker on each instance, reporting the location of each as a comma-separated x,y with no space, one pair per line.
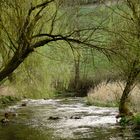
54,38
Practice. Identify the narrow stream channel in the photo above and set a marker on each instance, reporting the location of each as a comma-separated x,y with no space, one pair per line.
63,119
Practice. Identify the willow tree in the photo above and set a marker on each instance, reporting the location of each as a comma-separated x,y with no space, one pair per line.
36,24
125,36
29,24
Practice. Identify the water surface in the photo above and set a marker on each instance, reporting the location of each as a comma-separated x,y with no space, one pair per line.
63,119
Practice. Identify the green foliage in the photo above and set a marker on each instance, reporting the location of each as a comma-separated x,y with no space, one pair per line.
124,121
51,68
8,100
130,120
41,74
137,119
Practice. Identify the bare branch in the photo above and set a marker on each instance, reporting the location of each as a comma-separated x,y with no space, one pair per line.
44,4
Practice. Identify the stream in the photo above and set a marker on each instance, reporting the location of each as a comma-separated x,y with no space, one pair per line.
63,119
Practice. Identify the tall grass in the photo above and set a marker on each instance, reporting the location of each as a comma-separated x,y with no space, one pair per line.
109,94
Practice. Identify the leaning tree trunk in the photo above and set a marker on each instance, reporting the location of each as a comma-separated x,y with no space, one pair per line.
13,64
123,107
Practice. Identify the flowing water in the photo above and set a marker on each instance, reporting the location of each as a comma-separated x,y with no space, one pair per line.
63,119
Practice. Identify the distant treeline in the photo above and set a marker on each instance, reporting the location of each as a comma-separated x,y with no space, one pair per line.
71,2
84,2
89,1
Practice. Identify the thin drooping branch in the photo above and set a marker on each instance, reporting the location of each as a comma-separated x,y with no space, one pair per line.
44,4
13,47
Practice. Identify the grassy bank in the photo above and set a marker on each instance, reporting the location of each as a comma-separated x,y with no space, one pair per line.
109,94
8,100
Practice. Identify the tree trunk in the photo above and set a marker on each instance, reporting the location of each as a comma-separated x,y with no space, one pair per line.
123,107
13,64
77,73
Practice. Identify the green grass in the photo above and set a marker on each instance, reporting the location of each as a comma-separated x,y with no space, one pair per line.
137,119
102,104
8,100
131,120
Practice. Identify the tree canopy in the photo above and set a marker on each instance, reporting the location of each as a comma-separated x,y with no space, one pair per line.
26,25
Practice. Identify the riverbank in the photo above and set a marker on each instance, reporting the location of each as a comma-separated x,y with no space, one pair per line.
8,100
103,95
8,96
109,94
74,121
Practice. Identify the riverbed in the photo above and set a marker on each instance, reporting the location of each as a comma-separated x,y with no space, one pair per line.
63,119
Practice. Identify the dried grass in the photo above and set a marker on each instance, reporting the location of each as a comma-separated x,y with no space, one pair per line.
7,91
110,93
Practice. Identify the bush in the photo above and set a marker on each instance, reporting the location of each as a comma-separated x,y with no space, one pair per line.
137,119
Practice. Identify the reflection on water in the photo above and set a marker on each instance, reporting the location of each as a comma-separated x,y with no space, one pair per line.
23,132
75,121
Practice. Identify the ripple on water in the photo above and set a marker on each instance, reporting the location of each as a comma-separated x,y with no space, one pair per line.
94,122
